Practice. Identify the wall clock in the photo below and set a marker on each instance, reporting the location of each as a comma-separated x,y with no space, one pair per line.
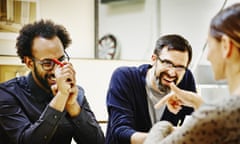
108,47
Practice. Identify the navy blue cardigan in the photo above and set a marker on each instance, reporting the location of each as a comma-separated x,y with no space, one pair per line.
127,103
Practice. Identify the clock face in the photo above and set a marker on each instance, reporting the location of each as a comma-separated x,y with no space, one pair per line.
107,47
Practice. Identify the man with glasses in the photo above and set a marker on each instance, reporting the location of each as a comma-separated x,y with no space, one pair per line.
46,106
134,92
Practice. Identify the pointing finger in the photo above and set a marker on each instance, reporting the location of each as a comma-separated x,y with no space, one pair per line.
174,88
163,100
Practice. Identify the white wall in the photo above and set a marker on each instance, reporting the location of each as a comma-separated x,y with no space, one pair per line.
138,24
78,17
132,23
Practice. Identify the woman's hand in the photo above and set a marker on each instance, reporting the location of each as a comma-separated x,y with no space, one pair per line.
178,97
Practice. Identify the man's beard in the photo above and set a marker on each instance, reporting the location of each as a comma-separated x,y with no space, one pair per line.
42,81
164,89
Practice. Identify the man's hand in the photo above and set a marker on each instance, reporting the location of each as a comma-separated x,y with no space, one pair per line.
72,106
177,97
65,78
73,93
65,90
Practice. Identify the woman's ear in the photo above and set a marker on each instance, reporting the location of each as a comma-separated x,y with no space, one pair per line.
28,61
227,46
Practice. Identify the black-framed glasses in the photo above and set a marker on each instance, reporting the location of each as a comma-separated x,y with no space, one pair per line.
170,64
48,64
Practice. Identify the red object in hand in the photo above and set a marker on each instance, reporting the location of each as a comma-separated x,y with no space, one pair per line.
57,62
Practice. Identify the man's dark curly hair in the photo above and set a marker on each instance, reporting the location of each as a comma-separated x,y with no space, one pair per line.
43,28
